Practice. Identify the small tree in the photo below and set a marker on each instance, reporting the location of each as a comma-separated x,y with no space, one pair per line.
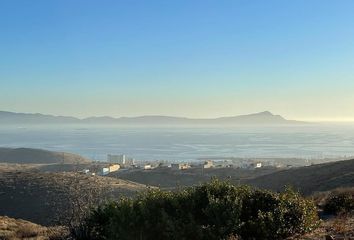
80,198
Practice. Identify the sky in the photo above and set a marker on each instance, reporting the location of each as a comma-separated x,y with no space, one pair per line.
193,58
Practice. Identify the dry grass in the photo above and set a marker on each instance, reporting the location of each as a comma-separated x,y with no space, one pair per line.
341,227
311,179
45,198
14,229
321,197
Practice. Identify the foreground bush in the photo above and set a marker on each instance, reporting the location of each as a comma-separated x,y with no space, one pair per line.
216,210
339,202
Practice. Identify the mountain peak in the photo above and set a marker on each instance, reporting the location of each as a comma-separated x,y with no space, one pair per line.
266,113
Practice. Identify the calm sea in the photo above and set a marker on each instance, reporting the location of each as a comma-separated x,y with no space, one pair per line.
186,144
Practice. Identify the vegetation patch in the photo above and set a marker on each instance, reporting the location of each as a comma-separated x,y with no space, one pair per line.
215,210
339,202
13,229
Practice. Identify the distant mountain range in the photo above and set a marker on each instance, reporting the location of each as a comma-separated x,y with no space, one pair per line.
37,118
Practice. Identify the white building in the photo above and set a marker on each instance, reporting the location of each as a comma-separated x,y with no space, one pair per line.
180,166
111,168
114,167
208,164
147,167
120,159
105,171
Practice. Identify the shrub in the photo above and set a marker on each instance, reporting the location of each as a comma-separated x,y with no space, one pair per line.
215,210
339,202
268,215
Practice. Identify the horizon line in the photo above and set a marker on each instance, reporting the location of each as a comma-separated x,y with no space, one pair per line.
146,115
309,120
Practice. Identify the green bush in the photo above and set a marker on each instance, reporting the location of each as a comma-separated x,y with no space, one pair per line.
339,202
268,215
215,210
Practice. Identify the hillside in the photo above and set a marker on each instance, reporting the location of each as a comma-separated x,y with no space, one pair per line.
321,177
38,156
46,197
335,227
265,117
12,229
167,178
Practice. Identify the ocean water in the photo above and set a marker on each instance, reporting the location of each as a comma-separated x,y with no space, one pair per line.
186,144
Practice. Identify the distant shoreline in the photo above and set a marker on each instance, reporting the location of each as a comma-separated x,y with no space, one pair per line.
261,118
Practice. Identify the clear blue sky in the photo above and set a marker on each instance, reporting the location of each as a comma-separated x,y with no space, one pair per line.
196,58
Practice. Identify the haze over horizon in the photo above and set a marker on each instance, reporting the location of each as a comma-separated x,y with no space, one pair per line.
157,116
196,59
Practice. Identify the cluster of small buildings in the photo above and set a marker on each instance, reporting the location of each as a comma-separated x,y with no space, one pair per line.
102,170
116,162
217,164
184,166
243,164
